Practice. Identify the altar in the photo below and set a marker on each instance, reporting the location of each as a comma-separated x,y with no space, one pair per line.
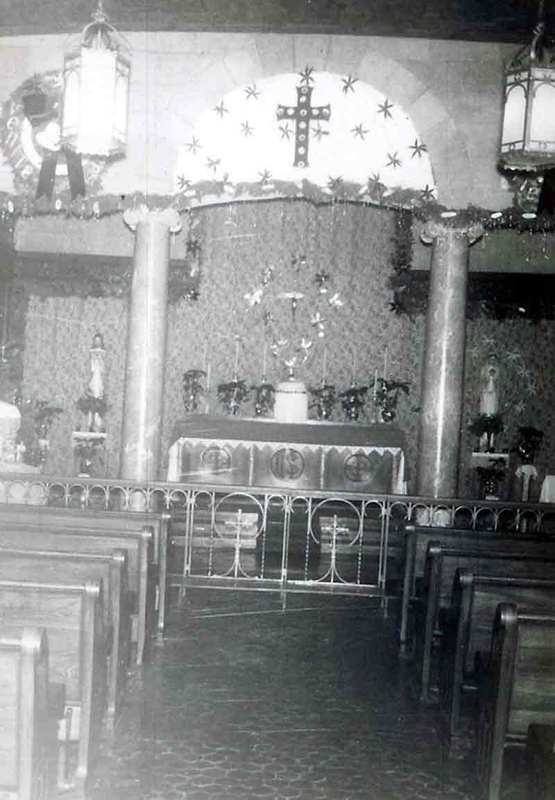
259,452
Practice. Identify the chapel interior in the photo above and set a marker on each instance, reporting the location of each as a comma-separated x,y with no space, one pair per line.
277,471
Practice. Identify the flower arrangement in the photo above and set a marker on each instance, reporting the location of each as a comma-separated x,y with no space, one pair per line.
488,426
232,394
386,395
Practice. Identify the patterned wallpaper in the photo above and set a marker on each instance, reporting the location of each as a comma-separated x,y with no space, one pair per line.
295,240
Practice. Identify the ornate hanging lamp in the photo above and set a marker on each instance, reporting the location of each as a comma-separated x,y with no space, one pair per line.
528,135
96,90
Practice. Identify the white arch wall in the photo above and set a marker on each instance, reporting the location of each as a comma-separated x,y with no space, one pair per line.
450,90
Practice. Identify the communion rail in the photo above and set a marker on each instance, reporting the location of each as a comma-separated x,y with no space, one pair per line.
276,539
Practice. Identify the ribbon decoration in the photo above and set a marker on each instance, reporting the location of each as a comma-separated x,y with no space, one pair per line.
75,173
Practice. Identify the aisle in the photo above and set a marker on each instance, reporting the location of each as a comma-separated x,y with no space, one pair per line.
242,701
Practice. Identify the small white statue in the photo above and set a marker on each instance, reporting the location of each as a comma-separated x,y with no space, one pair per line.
489,401
98,353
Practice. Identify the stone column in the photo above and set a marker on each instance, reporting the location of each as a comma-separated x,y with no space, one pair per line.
443,369
146,342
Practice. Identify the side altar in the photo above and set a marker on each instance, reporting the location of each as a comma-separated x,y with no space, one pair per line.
314,455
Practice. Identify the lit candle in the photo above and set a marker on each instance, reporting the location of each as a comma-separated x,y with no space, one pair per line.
324,367
207,404
5,313
236,364
374,394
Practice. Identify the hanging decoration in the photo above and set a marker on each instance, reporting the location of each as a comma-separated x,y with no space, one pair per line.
528,135
42,164
96,90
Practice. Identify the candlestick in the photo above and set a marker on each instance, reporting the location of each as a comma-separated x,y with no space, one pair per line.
375,391
385,364
324,367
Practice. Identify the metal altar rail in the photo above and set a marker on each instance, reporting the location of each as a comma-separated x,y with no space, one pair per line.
283,540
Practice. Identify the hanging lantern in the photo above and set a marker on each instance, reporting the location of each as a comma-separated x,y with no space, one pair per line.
528,136
96,90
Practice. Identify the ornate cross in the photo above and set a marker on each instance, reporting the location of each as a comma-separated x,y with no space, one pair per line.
303,114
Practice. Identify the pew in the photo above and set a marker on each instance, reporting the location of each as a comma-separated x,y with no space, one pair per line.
442,563
138,546
28,725
415,548
53,566
540,757
73,619
467,638
131,521
518,689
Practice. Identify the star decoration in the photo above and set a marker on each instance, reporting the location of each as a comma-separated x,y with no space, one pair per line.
335,183
193,145
384,108
213,163
393,160
285,131
254,297
246,129
318,131
265,177
335,301
192,247
375,185
306,75
320,279
427,193
252,91
417,149
220,109
359,131
317,321
183,183
267,275
348,84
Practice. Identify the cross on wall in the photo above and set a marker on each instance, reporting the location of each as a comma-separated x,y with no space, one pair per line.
303,114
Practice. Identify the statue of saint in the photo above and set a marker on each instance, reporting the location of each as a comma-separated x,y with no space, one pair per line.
489,377
98,353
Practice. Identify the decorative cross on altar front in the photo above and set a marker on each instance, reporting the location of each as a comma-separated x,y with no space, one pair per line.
303,113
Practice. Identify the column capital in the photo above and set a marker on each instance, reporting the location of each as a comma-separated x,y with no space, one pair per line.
452,226
167,217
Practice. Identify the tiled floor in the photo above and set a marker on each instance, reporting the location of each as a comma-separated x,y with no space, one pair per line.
245,702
